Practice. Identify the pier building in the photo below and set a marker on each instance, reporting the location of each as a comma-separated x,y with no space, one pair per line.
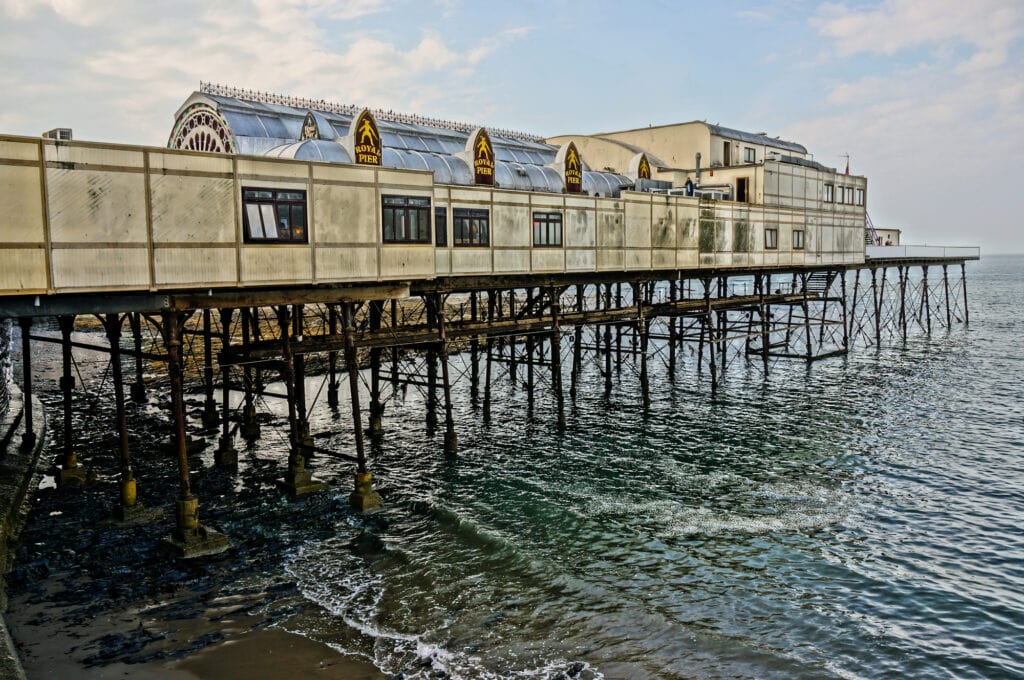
275,228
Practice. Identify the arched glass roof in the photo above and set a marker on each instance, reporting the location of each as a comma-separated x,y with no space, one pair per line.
311,150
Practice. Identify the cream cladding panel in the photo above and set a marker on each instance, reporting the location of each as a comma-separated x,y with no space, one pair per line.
345,214
339,264
275,263
22,270
91,268
511,226
23,207
407,261
638,223
195,267
96,207
192,209
579,228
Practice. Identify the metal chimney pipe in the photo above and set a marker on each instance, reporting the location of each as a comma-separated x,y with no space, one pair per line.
698,166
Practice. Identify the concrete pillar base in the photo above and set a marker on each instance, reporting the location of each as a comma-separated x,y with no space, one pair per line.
299,482
332,397
134,514
364,497
451,442
138,392
211,418
250,426
198,543
226,455
71,477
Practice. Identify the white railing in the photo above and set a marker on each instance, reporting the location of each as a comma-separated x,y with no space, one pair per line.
922,252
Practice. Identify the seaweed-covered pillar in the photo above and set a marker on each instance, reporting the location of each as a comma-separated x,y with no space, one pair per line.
226,455
299,367
297,480
363,496
376,407
68,472
332,358
28,437
189,538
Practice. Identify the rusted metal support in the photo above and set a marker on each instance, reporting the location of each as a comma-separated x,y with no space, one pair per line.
765,312
805,305
451,439
128,509
608,343
394,348
299,362
672,296
902,272
877,299
210,416
642,330
250,425
843,311
138,388
853,305
707,321
332,358
297,479
926,299
376,409
189,538
28,437
577,344
491,295
556,358
530,346
513,364
226,455
474,351
67,472
363,496
963,282
618,330
945,288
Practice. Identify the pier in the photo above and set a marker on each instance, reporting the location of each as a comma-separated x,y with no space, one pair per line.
226,273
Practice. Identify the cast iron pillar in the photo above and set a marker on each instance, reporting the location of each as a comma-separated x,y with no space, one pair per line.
363,496
226,455
138,388
68,472
297,479
189,538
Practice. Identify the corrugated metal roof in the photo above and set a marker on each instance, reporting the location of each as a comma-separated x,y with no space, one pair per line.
755,138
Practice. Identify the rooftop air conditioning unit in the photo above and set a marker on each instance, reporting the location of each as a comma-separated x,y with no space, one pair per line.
60,134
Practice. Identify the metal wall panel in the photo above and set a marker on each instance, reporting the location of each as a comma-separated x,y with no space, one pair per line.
22,205
342,264
195,267
88,206
92,268
269,264
192,209
22,270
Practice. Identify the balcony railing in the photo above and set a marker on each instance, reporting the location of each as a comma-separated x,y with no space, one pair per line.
922,252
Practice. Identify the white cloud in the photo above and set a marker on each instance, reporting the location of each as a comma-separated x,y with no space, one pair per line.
925,134
136,66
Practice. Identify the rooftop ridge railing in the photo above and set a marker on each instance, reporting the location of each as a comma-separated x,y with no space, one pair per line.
350,110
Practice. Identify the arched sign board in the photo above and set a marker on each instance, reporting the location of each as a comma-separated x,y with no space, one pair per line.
480,151
570,164
364,139
310,129
640,167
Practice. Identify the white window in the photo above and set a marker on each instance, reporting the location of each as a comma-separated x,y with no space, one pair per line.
829,195
771,239
798,239
859,198
748,154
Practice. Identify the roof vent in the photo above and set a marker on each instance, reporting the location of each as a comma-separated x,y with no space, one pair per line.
60,134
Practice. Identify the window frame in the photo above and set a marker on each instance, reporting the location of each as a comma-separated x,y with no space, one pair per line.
829,193
798,239
549,219
749,154
464,220
771,238
441,226
290,199
406,209
858,196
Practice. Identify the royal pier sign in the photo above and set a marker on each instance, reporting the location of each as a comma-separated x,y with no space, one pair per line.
364,139
483,158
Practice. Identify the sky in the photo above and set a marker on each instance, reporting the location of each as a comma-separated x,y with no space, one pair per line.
925,96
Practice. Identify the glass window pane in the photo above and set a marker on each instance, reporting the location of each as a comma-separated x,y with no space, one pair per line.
252,212
269,220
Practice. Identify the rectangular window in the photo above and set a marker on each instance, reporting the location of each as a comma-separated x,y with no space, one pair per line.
748,154
441,226
741,189
798,239
471,227
829,194
771,239
406,219
274,216
547,229
859,198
